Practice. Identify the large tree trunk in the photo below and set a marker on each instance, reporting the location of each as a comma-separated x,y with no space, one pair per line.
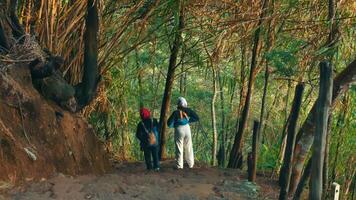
322,115
236,151
87,89
169,81
330,43
306,133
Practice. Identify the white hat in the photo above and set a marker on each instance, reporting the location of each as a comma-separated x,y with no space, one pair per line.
182,102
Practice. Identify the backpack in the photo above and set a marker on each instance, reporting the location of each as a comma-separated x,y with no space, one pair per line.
183,120
152,135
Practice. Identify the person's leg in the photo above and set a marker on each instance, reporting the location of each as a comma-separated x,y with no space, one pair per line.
178,138
189,154
147,154
155,157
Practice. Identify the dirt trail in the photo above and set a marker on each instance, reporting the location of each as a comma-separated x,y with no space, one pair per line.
132,181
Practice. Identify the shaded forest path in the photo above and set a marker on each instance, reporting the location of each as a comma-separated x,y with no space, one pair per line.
132,181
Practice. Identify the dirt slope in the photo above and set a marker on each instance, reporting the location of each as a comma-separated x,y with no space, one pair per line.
132,181
38,138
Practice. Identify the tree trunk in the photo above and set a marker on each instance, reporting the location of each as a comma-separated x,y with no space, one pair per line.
242,96
326,159
235,160
169,81
282,148
242,82
182,81
213,118
269,43
155,89
183,75
222,154
286,105
306,133
292,130
263,103
322,114
303,181
253,157
331,43
140,88
86,91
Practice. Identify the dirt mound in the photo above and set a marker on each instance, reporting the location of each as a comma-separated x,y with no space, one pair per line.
38,138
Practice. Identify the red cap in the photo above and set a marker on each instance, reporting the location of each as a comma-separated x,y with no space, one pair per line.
145,113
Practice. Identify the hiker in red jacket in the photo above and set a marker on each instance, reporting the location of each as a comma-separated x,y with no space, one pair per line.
147,133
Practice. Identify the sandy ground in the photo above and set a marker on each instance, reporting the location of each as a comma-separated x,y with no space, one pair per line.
132,181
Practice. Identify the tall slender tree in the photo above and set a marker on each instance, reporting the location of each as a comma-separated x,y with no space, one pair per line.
322,115
332,40
170,79
269,43
222,148
213,116
236,153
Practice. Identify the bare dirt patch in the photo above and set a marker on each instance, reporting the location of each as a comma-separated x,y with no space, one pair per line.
132,181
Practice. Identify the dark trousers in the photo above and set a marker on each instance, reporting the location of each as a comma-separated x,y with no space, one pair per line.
151,153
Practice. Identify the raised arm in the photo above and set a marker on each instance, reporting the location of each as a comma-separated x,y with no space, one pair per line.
193,117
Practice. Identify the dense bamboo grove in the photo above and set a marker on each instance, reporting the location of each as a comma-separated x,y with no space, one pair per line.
234,61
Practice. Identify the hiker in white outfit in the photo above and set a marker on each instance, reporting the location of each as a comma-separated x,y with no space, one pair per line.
180,120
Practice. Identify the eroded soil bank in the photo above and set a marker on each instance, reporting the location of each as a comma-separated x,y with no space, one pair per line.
38,138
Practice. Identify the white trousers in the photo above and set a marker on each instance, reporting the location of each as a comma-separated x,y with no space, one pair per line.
183,144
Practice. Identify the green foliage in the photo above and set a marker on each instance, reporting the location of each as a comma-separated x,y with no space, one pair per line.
268,157
294,54
284,56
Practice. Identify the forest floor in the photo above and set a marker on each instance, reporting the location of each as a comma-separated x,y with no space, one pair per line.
132,181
